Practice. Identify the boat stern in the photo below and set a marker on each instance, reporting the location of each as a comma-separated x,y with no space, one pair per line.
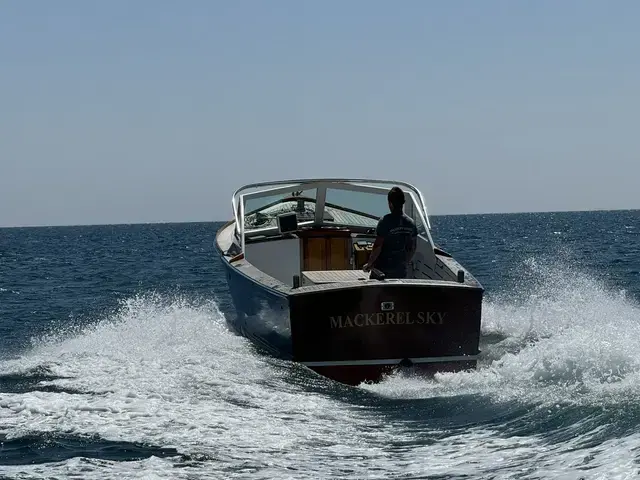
356,334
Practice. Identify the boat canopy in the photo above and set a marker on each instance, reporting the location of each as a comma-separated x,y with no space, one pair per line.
353,203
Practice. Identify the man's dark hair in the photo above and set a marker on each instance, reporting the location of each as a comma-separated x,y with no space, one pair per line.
396,198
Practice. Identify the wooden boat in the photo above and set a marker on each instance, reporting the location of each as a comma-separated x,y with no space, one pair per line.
293,255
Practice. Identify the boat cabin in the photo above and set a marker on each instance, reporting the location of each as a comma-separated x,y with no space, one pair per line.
305,232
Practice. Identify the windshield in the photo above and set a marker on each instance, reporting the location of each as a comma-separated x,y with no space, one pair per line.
350,208
263,212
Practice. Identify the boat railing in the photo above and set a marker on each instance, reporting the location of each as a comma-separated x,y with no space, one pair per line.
321,185
310,183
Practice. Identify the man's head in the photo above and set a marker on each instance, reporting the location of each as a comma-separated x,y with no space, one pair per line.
396,199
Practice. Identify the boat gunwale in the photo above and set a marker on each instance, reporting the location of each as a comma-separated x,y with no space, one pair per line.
401,283
278,287
252,273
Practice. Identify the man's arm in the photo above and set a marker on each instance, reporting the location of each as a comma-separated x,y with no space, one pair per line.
377,248
381,230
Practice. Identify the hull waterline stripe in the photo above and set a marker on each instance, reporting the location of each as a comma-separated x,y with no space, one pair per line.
390,361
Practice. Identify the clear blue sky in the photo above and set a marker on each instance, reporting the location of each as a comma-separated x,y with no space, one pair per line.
153,111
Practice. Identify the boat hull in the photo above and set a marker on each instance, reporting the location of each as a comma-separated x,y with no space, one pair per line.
360,333
261,314
356,334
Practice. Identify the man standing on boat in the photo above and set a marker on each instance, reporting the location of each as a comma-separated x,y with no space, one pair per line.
395,242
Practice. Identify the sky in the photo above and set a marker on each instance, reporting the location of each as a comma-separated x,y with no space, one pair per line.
157,110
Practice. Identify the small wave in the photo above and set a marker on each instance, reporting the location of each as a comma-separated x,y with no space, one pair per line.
47,448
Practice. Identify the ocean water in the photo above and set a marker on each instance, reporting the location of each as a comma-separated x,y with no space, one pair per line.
116,362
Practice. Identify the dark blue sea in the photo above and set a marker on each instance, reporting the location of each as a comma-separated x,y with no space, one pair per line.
116,362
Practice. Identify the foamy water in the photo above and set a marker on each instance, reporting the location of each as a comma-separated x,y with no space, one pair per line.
564,338
554,397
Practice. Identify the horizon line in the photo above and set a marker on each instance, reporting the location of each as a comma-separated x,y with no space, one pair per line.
432,215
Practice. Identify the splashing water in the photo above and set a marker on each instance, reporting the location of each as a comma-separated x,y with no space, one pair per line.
166,372
554,396
560,337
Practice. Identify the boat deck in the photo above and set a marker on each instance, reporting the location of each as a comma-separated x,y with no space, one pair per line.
313,281
332,276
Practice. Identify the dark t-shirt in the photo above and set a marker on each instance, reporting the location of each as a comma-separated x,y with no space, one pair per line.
398,230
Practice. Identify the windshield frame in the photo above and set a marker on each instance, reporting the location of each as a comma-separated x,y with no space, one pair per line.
266,189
